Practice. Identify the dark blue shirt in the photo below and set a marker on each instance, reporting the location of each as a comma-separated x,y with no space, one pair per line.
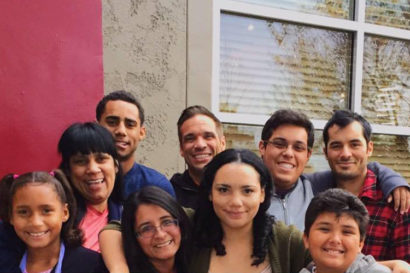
11,249
140,176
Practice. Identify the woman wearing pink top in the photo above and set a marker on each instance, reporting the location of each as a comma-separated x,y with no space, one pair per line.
90,161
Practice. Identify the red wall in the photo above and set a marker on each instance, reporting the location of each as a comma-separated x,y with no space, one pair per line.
51,75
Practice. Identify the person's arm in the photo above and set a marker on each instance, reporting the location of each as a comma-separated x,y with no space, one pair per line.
320,181
393,186
397,266
110,239
401,198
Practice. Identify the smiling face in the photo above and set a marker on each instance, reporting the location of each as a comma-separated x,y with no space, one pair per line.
236,195
38,215
347,151
333,242
122,119
93,175
286,154
200,142
165,242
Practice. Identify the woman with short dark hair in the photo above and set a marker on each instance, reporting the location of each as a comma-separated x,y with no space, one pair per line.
90,161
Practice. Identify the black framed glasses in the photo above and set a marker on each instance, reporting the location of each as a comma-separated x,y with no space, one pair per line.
283,144
147,231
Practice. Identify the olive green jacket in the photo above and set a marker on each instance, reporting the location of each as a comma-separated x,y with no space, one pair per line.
287,253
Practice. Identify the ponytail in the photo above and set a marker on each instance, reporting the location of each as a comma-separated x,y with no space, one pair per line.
72,236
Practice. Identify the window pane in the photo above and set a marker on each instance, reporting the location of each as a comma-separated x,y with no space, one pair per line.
393,13
391,151
332,8
386,81
266,65
394,152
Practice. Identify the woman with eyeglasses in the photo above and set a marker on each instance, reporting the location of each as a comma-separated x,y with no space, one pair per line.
155,232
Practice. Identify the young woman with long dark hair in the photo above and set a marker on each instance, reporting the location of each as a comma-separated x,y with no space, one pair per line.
232,231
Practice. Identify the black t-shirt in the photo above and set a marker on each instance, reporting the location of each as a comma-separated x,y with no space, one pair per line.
185,189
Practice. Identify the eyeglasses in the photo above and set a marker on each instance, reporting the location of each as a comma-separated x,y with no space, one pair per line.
147,231
283,144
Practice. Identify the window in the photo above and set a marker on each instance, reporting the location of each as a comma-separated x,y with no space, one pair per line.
336,8
265,64
248,58
393,13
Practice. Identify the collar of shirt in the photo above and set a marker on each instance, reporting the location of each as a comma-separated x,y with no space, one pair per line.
369,187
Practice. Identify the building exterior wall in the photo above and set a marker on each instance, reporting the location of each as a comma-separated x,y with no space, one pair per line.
144,44
167,53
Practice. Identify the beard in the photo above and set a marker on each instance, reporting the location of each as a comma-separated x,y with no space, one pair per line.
345,175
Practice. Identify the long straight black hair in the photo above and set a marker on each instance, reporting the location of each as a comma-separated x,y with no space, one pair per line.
207,227
137,260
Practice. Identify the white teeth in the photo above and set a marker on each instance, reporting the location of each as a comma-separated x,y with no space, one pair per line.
331,251
286,165
201,156
37,234
164,244
96,181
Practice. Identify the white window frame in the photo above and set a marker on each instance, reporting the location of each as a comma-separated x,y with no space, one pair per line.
203,53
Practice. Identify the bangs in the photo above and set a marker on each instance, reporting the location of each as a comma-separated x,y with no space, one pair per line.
91,143
85,139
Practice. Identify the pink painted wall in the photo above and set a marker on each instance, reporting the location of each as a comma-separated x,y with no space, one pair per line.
51,75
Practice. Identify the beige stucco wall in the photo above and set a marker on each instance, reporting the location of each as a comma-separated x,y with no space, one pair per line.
145,53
